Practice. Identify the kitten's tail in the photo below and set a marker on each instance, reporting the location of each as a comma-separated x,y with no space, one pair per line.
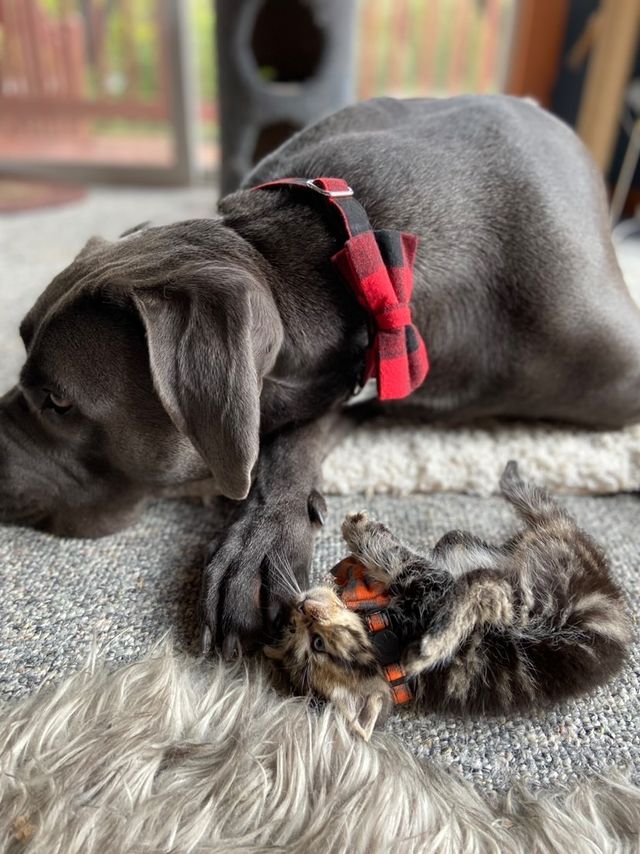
532,502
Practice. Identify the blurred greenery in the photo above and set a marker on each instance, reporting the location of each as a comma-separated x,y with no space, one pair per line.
132,38
132,29
203,26
418,16
391,40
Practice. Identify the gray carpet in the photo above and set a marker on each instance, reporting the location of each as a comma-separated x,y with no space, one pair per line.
127,590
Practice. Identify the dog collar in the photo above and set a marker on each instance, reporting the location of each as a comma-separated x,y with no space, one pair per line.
369,599
378,267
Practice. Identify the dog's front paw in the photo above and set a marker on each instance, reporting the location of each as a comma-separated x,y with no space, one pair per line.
256,565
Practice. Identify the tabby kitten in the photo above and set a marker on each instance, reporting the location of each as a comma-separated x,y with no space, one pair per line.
483,629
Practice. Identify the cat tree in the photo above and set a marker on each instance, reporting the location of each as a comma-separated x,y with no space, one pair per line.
282,64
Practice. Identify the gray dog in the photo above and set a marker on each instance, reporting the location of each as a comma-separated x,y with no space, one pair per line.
224,348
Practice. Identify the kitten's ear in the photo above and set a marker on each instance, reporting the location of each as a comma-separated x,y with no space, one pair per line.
362,711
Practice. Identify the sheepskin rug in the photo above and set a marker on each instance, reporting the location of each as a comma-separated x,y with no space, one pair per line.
171,754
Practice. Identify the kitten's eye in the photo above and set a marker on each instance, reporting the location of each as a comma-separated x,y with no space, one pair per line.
60,405
317,642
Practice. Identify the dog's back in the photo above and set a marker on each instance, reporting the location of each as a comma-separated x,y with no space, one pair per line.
516,277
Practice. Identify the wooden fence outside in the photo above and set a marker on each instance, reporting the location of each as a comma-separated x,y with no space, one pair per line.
66,63
433,47
56,64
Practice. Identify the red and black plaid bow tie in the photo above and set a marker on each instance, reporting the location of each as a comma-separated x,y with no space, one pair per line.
378,266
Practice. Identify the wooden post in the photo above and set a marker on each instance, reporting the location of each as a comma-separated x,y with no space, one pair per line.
397,59
536,50
459,56
368,54
489,40
428,46
607,78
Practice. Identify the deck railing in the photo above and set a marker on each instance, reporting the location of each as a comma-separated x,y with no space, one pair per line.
433,47
76,69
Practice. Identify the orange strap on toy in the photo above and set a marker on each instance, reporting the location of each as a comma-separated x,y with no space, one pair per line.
370,598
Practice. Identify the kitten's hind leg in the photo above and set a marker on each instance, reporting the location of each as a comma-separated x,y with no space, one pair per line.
458,552
373,544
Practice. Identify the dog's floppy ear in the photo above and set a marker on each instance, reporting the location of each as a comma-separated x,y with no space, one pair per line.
210,345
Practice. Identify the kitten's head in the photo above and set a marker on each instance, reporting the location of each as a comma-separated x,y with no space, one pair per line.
325,650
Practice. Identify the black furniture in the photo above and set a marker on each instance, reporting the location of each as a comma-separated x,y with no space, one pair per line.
281,65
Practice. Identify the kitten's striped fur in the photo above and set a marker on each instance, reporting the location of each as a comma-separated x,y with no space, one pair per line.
485,629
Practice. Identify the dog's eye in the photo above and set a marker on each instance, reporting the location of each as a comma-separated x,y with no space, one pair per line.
317,642
60,405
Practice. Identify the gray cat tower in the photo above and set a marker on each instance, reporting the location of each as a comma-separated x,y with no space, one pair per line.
281,65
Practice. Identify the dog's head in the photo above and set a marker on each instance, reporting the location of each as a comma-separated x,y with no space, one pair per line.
145,361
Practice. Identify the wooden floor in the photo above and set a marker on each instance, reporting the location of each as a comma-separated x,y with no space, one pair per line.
17,196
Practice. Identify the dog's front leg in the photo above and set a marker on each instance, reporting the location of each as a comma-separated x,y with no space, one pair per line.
269,544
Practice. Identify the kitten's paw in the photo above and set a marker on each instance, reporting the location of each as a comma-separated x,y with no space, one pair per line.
359,532
428,653
370,542
353,526
412,659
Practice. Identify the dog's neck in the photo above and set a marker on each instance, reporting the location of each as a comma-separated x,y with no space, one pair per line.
325,332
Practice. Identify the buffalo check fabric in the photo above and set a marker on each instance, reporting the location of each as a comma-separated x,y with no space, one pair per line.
378,267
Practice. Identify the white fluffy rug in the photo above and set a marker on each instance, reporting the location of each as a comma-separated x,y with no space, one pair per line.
404,459
173,755
379,459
